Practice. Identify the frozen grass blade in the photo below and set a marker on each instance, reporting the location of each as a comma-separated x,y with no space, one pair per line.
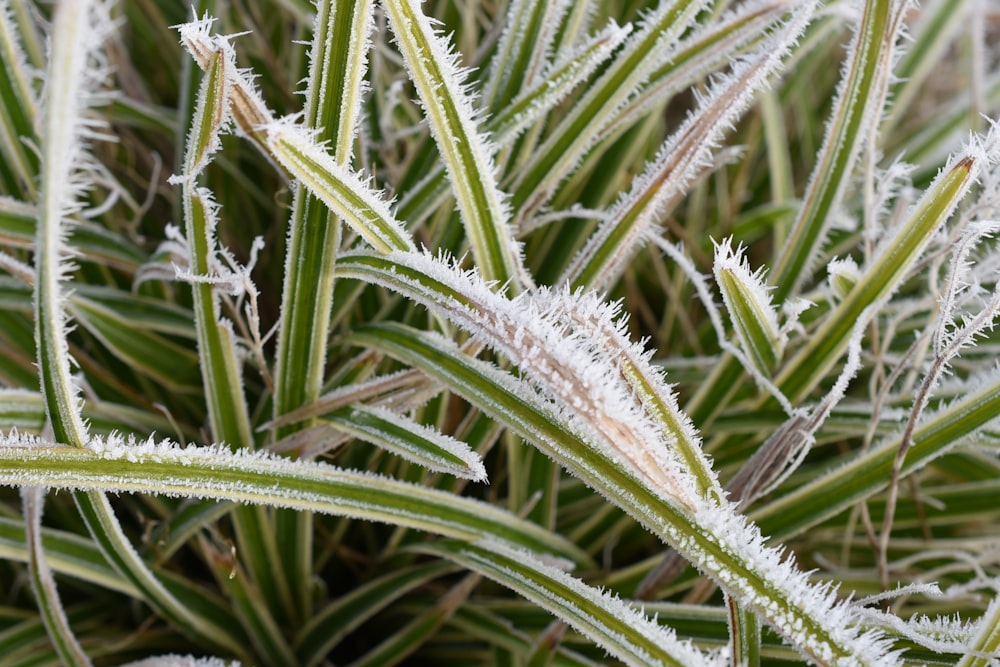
754,317
467,155
410,440
71,75
216,345
710,534
43,584
635,216
882,277
643,52
586,372
78,30
297,149
615,626
126,465
337,65
856,115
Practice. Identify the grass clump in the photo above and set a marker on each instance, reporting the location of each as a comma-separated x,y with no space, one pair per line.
518,333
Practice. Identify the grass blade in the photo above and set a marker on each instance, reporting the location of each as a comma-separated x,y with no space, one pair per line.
467,156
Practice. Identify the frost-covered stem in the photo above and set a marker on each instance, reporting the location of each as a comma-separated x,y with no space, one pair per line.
947,348
66,90
333,102
43,584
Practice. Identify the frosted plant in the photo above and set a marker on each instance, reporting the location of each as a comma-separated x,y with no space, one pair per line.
479,333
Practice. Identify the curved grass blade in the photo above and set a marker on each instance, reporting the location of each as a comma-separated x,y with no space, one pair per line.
121,465
410,440
43,584
75,71
338,619
342,191
613,625
467,156
591,368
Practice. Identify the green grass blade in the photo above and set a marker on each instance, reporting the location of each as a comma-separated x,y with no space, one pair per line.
410,440
44,586
881,278
214,472
856,113
467,156
333,623
18,108
625,633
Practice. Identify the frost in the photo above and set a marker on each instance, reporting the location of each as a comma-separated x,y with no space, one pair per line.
182,661
746,296
574,348
467,153
633,219
590,613
76,72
